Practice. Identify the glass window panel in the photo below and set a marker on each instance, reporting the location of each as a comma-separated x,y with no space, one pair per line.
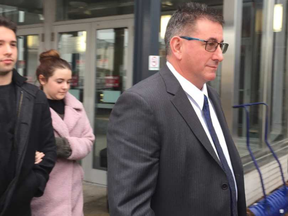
28,47
249,82
111,67
249,78
278,124
23,12
72,10
72,47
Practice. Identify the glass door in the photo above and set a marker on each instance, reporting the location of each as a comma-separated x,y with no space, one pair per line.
71,43
29,43
112,43
100,54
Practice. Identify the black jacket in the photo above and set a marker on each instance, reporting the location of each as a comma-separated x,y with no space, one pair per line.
33,131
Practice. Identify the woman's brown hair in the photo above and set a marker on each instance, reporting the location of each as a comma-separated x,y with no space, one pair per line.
50,61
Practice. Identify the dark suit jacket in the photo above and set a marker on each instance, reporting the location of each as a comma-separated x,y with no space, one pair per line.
160,161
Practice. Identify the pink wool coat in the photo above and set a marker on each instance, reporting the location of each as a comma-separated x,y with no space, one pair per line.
63,195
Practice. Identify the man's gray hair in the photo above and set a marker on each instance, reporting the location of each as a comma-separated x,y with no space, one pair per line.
186,15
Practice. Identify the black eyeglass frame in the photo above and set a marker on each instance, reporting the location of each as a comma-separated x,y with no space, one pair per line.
223,46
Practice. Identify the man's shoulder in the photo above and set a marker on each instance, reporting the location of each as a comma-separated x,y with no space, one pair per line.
30,87
148,85
34,91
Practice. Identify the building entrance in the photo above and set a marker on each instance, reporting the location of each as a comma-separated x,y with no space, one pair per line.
100,54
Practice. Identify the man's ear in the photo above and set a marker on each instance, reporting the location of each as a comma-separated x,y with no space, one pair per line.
176,45
42,80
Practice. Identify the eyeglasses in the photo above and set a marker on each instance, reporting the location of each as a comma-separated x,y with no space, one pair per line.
211,45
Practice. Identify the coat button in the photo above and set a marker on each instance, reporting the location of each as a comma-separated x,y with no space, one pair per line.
224,186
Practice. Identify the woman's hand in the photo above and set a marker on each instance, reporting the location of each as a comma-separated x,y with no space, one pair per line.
38,157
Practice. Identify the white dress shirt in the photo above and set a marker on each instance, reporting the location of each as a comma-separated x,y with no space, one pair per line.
196,98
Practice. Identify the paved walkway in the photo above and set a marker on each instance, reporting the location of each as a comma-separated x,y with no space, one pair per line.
95,202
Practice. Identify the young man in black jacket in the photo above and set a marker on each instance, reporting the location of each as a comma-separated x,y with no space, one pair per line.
25,127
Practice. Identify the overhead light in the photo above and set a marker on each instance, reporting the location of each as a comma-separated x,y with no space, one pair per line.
167,3
258,20
87,12
78,4
164,22
32,41
278,18
21,17
41,17
81,42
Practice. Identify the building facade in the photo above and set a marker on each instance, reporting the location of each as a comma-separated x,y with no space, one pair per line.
102,39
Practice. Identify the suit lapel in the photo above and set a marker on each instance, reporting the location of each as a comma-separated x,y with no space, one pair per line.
181,103
234,156
217,107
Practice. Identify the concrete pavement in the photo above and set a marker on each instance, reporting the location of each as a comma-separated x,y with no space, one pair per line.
95,202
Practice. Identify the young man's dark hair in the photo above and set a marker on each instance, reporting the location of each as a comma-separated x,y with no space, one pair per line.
25,127
5,22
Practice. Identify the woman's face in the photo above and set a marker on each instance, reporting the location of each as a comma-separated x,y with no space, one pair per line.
57,85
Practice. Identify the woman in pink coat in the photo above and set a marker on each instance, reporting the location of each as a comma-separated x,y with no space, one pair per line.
63,195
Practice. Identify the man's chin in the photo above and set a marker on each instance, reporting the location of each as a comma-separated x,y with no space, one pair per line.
211,77
5,72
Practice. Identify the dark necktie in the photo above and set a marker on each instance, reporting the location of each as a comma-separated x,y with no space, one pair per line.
225,167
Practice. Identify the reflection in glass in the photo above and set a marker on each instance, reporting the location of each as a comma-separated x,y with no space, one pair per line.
72,10
249,78
72,47
171,5
23,12
28,47
111,67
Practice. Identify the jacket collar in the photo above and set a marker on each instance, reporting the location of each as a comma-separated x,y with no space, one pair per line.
73,112
172,84
72,102
17,78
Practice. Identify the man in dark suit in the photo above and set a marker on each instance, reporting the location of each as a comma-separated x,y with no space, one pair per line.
170,152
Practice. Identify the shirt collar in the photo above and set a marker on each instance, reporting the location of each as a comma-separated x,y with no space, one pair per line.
191,90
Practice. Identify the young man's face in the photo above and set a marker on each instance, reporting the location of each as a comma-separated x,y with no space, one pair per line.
8,50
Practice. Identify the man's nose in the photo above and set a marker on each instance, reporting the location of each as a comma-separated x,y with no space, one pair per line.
8,49
218,54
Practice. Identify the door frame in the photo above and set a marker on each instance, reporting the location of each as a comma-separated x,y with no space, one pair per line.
91,27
